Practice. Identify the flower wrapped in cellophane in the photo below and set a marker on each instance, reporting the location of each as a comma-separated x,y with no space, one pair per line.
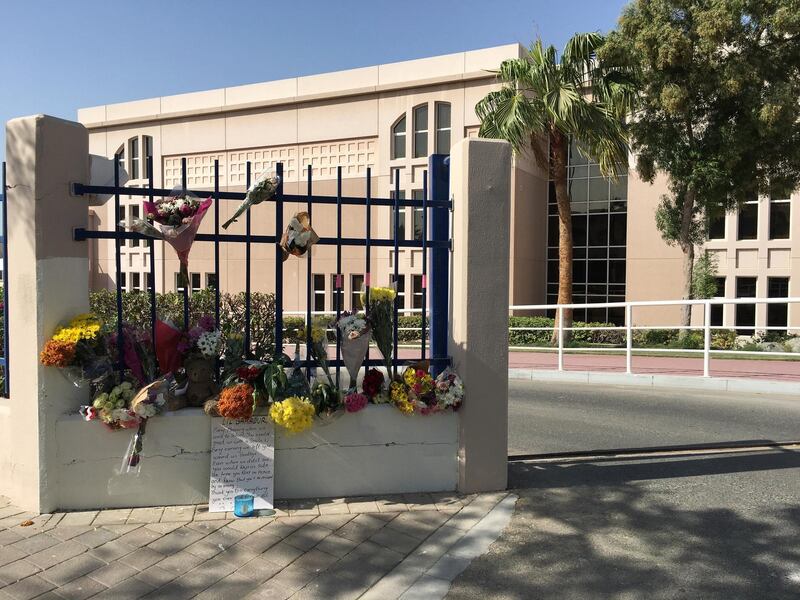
295,414
449,390
113,407
319,344
299,236
355,342
263,189
381,321
79,350
178,218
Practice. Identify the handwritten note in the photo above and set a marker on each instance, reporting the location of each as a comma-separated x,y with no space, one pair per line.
242,461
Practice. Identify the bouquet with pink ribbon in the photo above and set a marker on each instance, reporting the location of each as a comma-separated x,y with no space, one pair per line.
178,218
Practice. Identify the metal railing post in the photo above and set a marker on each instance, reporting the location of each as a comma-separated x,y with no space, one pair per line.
707,339
629,339
560,339
439,290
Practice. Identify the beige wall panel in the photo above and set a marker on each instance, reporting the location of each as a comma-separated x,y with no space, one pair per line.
264,127
261,92
198,134
93,114
193,101
325,83
132,110
424,68
490,58
528,238
337,120
473,93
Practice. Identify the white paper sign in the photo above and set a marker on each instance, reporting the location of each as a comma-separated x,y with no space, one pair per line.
242,461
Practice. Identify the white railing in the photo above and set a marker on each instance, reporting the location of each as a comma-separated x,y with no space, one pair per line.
332,313
629,327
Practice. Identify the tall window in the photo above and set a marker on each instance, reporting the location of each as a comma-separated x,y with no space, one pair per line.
211,281
421,131
745,313
318,289
121,159
356,283
123,280
149,279
134,215
337,296
178,286
401,218
147,141
716,227
194,278
400,299
748,221
778,314
136,282
122,215
442,128
779,218
417,195
133,150
417,290
717,310
399,138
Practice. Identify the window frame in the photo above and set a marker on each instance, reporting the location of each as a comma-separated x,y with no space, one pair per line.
739,236
399,134
439,129
355,291
417,131
773,202
134,157
417,291
147,152
317,291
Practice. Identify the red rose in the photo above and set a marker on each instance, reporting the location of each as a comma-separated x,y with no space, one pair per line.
373,382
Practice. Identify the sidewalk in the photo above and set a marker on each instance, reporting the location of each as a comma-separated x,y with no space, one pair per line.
409,546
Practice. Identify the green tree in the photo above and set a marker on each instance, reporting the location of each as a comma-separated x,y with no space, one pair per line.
719,111
545,101
704,276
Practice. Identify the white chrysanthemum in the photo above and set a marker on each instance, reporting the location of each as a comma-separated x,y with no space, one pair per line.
146,410
208,343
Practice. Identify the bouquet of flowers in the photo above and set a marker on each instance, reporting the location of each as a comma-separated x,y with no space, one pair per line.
355,342
113,408
263,189
319,345
299,236
79,350
381,319
150,401
173,345
179,218
420,386
137,351
295,414
449,390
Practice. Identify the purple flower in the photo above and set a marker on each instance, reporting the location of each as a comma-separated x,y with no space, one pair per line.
195,333
207,323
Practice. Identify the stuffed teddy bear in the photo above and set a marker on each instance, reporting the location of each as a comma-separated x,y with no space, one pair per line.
200,380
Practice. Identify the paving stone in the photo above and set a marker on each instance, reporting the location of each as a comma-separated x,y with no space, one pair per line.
115,516
176,540
13,572
270,591
202,513
30,587
114,573
237,555
180,563
367,506
78,519
174,514
307,536
420,501
449,566
418,524
195,581
36,543
208,526
333,522
392,504
79,589
155,576
69,532
260,541
163,528
336,545
96,537
392,586
10,511
447,500
113,550
72,569
360,528
145,515
282,554
315,561
53,521
367,563
120,530
225,536
329,586
57,554
293,577
259,569
333,506
143,558
9,522
232,586
130,589
8,537
249,525
139,537
9,554
427,588
395,540
204,549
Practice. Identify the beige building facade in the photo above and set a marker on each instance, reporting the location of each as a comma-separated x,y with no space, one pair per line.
389,118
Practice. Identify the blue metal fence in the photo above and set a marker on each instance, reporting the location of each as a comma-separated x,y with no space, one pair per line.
4,360
435,245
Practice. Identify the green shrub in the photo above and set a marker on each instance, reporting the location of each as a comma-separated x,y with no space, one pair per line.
723,339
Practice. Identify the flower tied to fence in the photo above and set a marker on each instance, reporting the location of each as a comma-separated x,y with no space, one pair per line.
381,320
263,189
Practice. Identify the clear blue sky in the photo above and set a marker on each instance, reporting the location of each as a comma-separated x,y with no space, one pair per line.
60,55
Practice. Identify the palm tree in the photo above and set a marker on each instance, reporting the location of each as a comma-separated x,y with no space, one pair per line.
545,98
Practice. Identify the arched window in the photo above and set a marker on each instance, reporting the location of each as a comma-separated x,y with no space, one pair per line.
120,154
133,153
399,138
147,143
442,128
421,131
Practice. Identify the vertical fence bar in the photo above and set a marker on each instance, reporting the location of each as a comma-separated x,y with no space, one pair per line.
424,260
186,284
151,243
367,271
707,339
6,370
248,175
118,264
439,287
396,268
560,340
339,275
628,339
216,242
279,262
309,277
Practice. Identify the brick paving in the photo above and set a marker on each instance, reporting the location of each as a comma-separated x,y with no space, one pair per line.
406,546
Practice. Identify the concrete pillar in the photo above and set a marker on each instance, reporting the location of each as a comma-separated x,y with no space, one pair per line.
480,184
49,284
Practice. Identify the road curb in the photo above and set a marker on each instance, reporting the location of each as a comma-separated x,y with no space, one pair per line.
720,384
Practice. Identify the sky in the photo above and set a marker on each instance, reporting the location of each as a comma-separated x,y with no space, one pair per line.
60,55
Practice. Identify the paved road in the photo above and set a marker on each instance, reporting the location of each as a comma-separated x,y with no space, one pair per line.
559,417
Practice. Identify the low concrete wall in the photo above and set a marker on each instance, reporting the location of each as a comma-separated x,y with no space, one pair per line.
375,451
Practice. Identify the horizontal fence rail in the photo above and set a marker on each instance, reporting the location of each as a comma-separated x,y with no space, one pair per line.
559,327
432,243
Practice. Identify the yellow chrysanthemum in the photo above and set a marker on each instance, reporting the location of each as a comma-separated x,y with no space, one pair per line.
399,393
294,414
405,407
382,294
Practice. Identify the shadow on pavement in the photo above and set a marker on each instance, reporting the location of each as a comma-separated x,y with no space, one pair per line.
689,527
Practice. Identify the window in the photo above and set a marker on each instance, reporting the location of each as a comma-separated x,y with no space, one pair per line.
401,218
147,141
716,227
421,131
133,151
337,295
318,289
745,313
134,215
121,159
194,278
418,216
123,280
779,218
748,221
211,281
399,138
136,282
717,310
121,216
356,283
417,290
400,299
178,286
778,314
442,128
149,279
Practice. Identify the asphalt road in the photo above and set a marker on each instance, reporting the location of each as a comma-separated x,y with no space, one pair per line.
563,417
